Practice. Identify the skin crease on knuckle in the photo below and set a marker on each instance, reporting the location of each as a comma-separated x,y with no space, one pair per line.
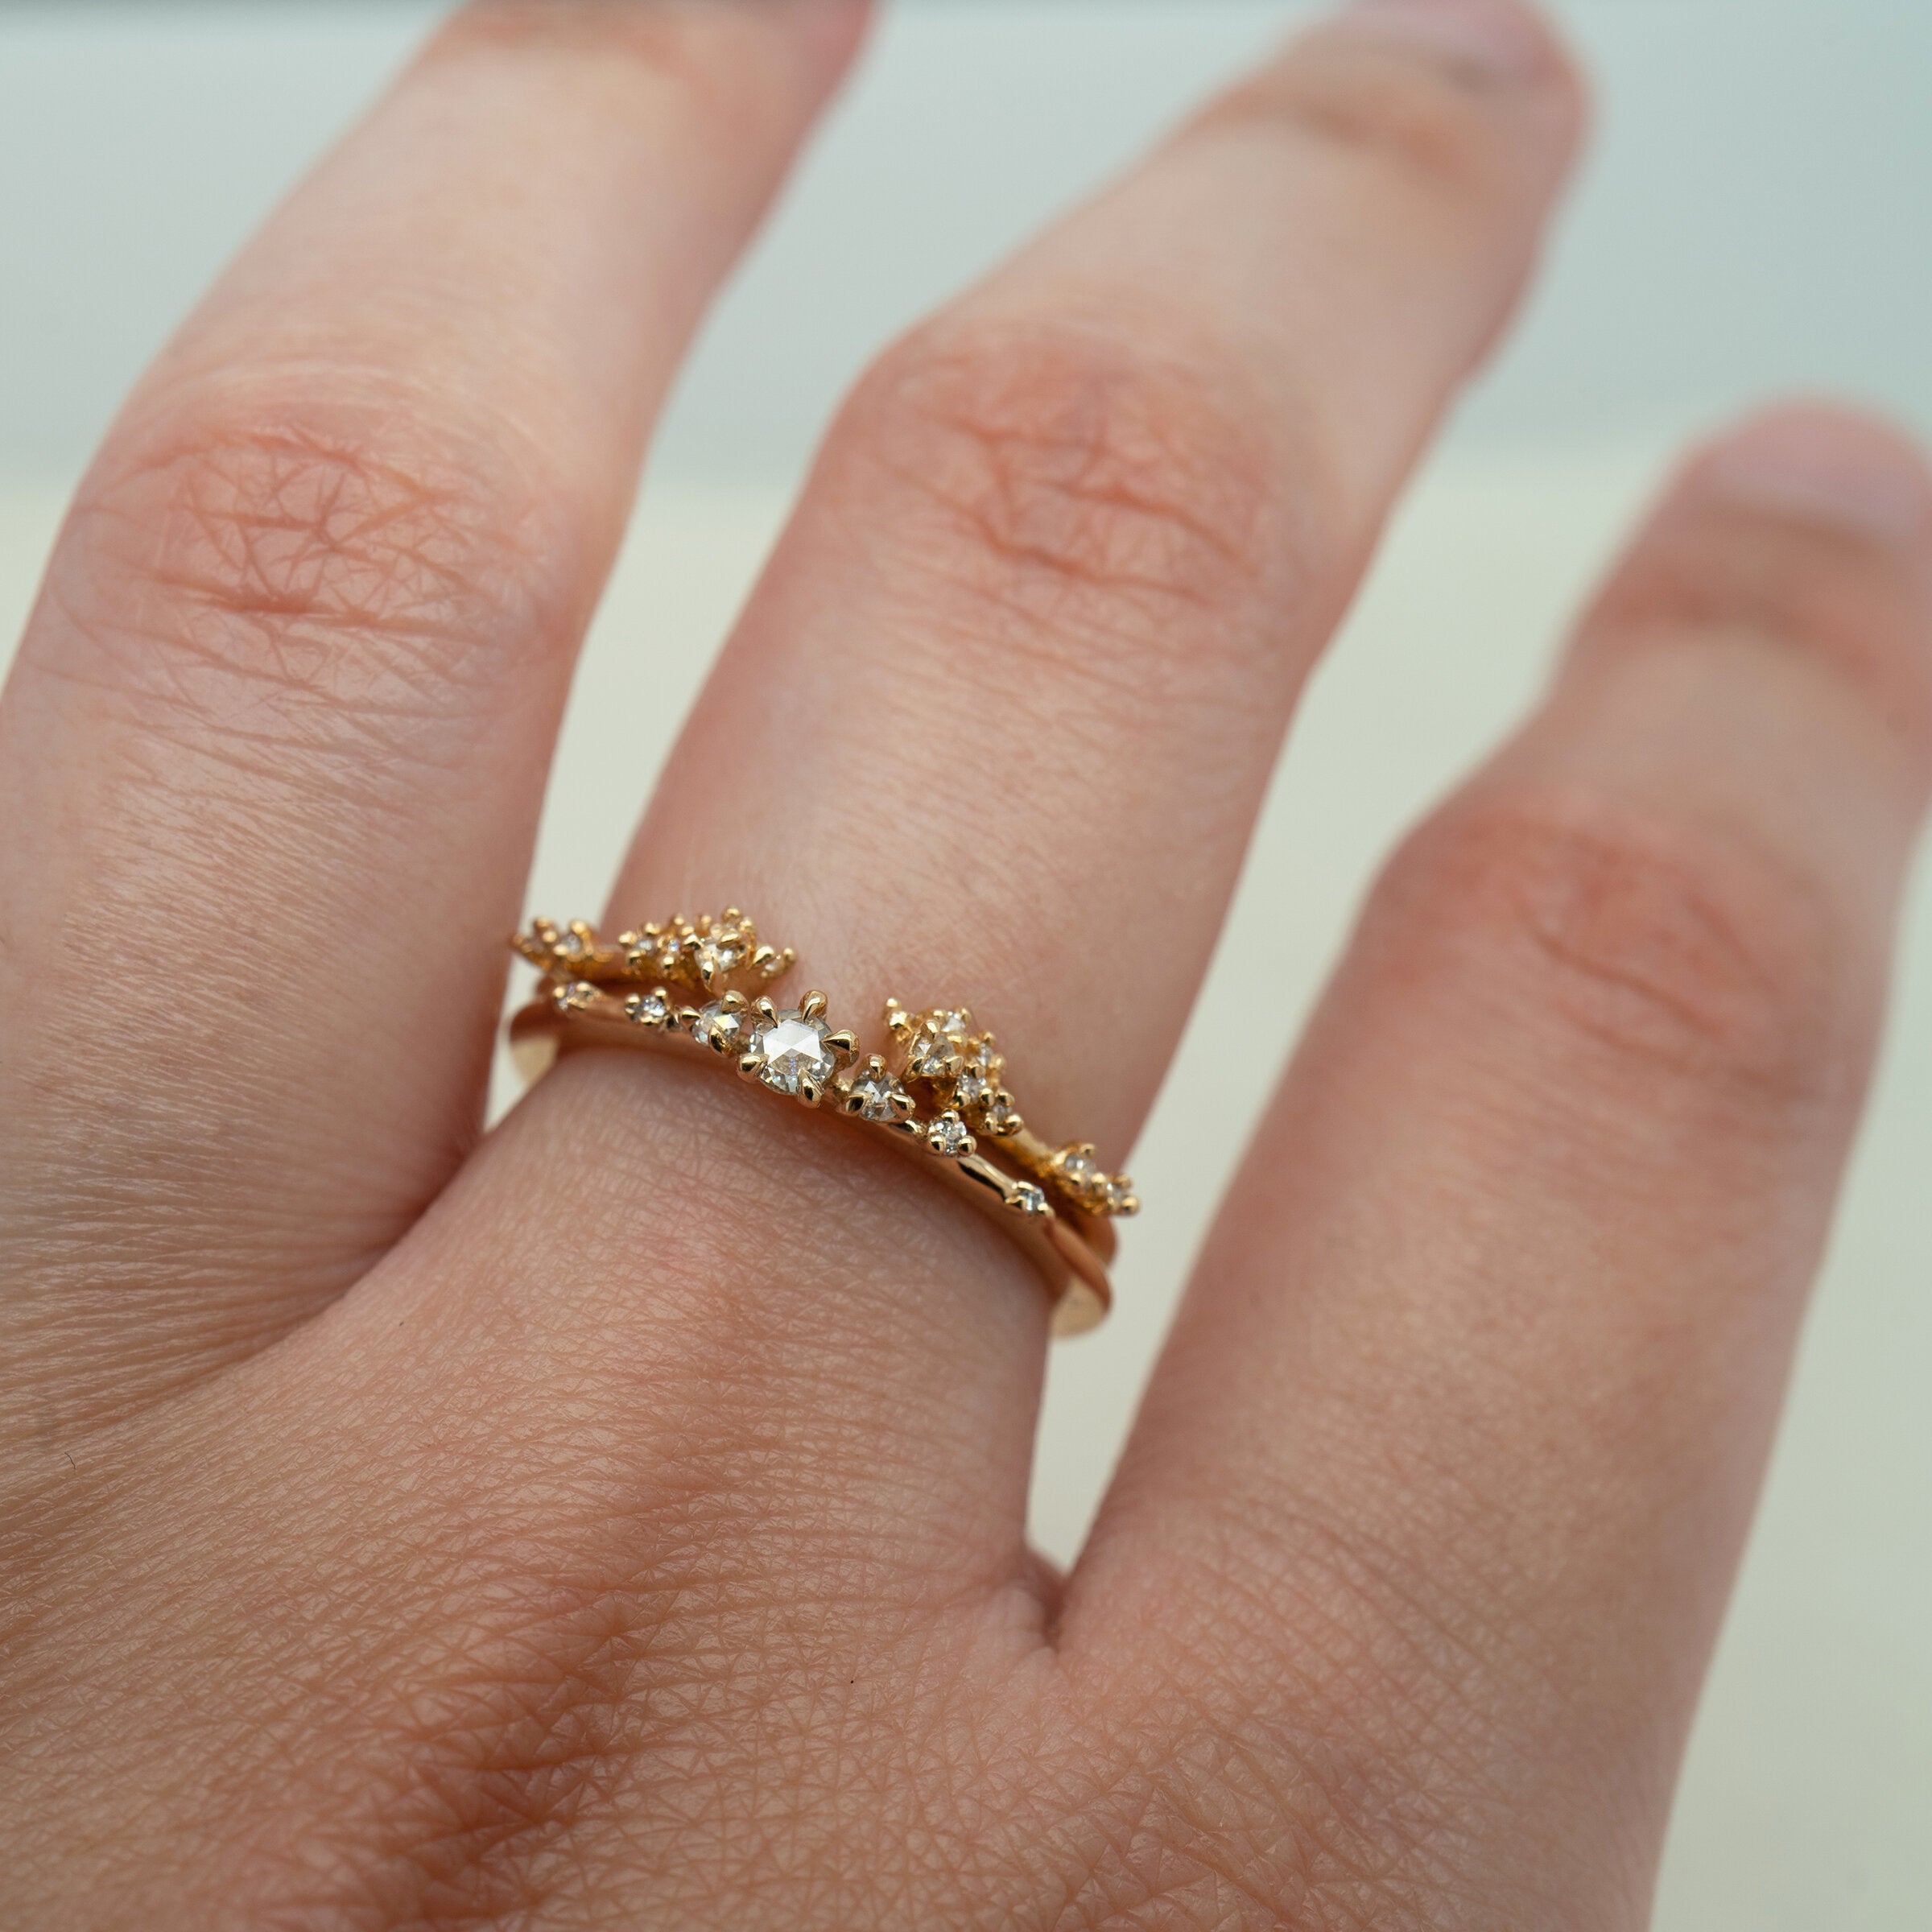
1677,952
1854,608
1439,126
262,581
1108,492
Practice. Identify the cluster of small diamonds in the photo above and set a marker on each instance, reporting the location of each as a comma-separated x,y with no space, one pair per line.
940,1050
699,953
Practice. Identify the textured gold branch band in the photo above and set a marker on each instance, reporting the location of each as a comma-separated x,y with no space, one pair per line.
939,1091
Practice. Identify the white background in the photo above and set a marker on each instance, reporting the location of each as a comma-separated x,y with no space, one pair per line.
1755,218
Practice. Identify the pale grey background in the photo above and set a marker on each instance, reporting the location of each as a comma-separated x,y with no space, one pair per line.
1755,218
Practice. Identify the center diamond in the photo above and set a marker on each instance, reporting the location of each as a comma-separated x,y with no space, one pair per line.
793,1051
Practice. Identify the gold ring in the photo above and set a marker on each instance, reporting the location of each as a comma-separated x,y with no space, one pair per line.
1057,1202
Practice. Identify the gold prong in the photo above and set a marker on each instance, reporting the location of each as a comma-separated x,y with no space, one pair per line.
749,1063
735,1002
898,1021
762,1006
813,1005
845,1041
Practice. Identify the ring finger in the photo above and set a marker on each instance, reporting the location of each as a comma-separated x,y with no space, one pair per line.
994,728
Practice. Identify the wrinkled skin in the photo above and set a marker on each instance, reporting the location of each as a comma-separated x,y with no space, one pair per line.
617,1522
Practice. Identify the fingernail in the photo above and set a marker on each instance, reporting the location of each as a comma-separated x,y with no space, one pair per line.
1824,466
1499,38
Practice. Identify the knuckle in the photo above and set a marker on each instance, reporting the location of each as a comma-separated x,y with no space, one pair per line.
1855,605
1390,103
1680,948
662,36
310,574
1102,479
687,49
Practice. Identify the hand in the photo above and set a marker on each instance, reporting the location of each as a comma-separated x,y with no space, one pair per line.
618,1521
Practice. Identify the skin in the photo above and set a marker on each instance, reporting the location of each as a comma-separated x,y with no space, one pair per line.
619,1520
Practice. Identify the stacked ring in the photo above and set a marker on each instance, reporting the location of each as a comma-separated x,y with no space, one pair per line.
1057,1202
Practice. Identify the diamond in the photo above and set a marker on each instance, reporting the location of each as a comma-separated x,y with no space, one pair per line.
718,956
933,1058
1119,1196
721,1027
981,1051
1029,1199
1080,1169
793,1051
970,1089
999,1117
948,1136
572,996
648,1009
876,1096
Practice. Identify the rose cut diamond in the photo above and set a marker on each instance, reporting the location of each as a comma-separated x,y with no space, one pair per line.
877,1096
718,957
720,1027
794,1054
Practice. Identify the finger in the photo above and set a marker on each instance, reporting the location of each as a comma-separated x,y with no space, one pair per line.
1445,1473
271,755
994,728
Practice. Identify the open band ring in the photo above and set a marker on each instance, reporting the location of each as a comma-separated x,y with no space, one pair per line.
940,1095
